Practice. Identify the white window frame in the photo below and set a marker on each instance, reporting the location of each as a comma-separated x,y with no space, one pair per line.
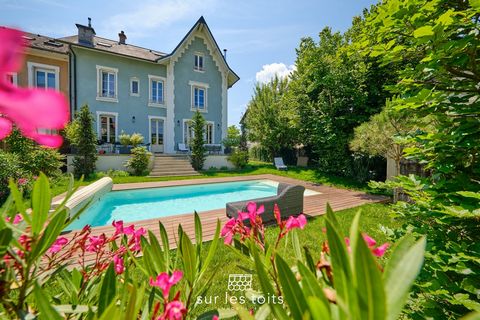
150,118
101,69
150,102
32,66
199,85
186,141
132,79
213,132
195,67
107,113
14,76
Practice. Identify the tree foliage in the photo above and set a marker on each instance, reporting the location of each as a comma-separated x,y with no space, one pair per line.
81,135
442,37
197,144
268,119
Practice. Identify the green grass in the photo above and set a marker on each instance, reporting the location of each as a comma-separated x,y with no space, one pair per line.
254,168
226,262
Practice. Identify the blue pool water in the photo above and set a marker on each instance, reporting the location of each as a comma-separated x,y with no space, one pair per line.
141,204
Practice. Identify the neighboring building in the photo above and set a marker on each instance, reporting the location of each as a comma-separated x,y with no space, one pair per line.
45,66
134,89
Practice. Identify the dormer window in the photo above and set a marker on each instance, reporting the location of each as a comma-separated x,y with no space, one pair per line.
198,66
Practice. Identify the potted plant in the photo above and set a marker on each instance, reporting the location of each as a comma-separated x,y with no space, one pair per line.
125,141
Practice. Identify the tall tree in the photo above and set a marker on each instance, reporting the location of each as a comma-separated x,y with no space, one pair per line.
197,144
268,119
81,135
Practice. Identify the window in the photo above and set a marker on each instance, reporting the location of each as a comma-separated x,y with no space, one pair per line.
12,78
107,126
187,131
209,133
107,84
199,96
198,66
134,87
157,95
43,76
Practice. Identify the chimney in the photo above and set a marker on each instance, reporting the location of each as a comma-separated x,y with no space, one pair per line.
225,53
122,37
86,33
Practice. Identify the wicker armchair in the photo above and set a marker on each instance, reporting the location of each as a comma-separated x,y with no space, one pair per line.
289,199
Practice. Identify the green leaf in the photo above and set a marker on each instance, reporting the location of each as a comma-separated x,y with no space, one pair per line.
47,311
368,279
156,251
5,238
165,244
40,203
401,270
297,250
17,197
108,290
472,315
475,4
198,231
51,233
189,257
311,287
340,263
292,293
317,309
425,31
212,250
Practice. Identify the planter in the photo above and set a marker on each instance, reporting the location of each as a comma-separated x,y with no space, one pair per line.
125,149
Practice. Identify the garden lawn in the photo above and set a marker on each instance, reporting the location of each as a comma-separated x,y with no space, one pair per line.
253,168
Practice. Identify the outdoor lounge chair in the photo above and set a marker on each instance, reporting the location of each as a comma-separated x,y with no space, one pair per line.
289,199
279,164
182,147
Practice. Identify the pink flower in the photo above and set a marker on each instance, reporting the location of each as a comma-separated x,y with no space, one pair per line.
175,310
96,243
22,181
118,227
369,240
32,110
380,251
298,222
129,230
215,317
118,264
228,231
136,238
16,220
278,216
252,212
58,245
165,282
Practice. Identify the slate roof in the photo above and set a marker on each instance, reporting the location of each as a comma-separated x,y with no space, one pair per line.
38,41
114,47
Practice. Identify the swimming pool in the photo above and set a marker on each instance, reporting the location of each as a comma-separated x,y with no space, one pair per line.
141,204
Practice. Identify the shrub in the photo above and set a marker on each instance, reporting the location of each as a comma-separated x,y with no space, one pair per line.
81,135
136,139
239,159
259,153
113,173
33,158
139,161
197,145
9,169
124,139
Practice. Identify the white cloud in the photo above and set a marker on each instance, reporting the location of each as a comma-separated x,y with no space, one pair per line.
269,71
154,14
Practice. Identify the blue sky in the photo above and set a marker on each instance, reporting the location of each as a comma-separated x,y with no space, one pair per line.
261,36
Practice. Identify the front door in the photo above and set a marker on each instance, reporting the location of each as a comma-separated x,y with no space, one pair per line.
156,134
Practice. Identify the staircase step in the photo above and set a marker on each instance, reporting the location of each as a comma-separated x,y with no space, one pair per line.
168,165
171,174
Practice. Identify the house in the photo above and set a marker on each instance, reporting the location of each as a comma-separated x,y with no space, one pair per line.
133,89
46,64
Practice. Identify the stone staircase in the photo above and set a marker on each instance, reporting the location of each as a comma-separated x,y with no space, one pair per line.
172,165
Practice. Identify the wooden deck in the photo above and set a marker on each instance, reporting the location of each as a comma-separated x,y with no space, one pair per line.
314,205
